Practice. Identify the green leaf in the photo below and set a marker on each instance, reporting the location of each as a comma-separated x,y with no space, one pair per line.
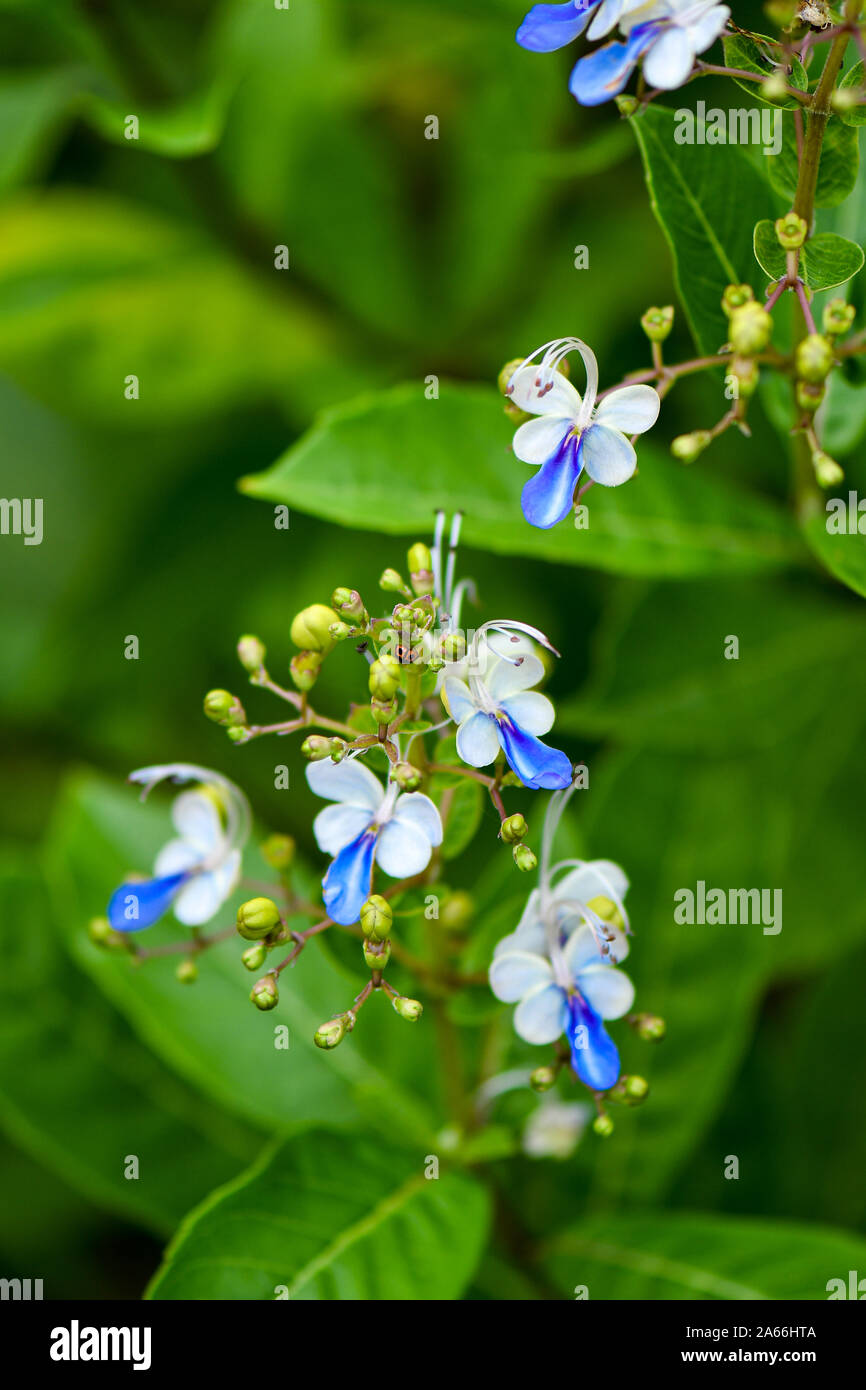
191,127
825,260
462,808
351,468
328,1219
745,52
706,199
854,79
837,171
842,552
685,1255
33,106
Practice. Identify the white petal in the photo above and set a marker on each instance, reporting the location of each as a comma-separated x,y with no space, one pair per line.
596,878
542,1015
197,902
670,60
337,826
509,677
461,705
402,850
538,440
708,28
175,858
607,990
348,781
605,18
531,712
227,874
197,820
421,814
562,399
583,948
631,409
514,973
478,741
608,456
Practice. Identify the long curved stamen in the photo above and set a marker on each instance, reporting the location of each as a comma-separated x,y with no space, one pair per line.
610,890
466,586
553,354
508,625
456,523
436,553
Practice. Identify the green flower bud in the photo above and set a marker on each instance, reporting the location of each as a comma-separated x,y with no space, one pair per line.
257,918
636,1089
384,710
349,605
688,447
224,708
420,564
316,747
384,678
278,851
542,1078
746,373
774,88
751,328
827,471
838,317
186,972
376,918
238,734
251,653
254,957
524,858
101,933
844,99
515,414
330,1033
513,828
649,1027
456,912
453,646
507,373
809,396
657,323
310,628
410,1009
603,1126
392,582
377,954
341,631
264,993
627,105
791,231
407,777
813,358
735,296
304,669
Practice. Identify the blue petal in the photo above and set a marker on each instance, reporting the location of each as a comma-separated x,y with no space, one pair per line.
153,897
536,765
548,27
547,497
596,1061
346,885
603,73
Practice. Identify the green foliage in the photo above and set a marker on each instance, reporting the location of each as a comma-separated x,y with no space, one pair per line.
826,260
749,55
837,171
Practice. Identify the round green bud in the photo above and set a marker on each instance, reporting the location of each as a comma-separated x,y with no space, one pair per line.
791,231
349,605
101,933
186,972
515,414
264,993
254,957
657,323
542,1078
745,372
392,582
524,858
224,708
376,918
809,395
251,653
844,99
341,631
278,851
735,296
688,447
603,1126
827,470
316,747
454,646
649,1027
384,678
420,564
635,1089
813,358
513,828
238,734
507,373
751,328
407,777
310,628
338,749
456,912
304,669
838,317
774,88
627,105
377,954
383,710
257,918
330,1033
410,1009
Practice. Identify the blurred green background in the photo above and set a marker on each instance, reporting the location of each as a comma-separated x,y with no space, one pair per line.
260,128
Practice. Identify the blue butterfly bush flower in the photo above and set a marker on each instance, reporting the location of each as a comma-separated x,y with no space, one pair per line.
666,35
573,434
367,825
198,870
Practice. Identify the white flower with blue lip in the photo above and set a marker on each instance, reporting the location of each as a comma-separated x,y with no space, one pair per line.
573,434
495,708
549,27
367,825
197,871
666,34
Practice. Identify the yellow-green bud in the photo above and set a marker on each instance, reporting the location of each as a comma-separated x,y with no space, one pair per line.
420,564
376,918
603,1126
507,373
377,954
813,358
383,710
649,1027
636,1089
304,669
330,1033
410,1009
838,317
688,447
251,653
454,646
657,323
751,328
187,972
264,993
101,933
278,851
627,105
735,296
827,470
542,1078
341,631
513,828
254,957
310,628
257,918
809,395
349,605
844,99
224,708
316,747
407,777
774,88
456,912
384,678
791,231
524,858
745,372
392,582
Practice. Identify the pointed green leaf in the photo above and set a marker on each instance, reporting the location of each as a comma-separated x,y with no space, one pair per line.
754,53
826,260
